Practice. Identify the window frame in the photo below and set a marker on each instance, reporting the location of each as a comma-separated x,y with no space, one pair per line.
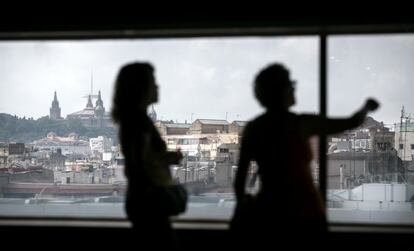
295,26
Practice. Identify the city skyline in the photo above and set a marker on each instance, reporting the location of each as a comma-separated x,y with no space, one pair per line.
209,77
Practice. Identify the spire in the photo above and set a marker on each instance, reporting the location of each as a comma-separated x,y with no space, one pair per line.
99,102
55,109
99,109
89,104
55,102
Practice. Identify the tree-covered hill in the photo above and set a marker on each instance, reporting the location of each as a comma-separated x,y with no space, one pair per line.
15,129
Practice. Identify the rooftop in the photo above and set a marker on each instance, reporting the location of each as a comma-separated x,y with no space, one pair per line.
84,112
213,121
178,125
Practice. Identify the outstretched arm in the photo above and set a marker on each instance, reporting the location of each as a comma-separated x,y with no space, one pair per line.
316,125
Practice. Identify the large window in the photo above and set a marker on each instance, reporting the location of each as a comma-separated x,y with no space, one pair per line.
370,168
61,157
59,153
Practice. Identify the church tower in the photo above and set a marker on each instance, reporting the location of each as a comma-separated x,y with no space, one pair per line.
89,104
99,108
55,109
99,111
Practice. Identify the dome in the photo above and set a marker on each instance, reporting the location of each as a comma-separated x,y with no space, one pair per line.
73,135
51,135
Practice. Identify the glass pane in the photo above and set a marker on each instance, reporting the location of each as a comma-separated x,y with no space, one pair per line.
370,174
70,162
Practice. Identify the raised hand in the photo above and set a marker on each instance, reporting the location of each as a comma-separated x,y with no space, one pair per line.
371,105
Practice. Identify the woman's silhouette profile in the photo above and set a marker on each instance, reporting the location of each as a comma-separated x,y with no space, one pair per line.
146,156
278,141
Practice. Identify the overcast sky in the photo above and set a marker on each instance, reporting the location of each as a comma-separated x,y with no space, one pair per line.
209,77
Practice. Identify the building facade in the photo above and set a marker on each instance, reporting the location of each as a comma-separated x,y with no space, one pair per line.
68,145
208,126
93,116
237,127
168,128
100,144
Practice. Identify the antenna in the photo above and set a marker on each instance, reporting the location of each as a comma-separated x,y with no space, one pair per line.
91,82
400,136
91,94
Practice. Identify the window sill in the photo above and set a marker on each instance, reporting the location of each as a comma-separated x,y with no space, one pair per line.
189,225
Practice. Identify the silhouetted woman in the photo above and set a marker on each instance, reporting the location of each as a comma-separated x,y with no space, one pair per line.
146,156
278,141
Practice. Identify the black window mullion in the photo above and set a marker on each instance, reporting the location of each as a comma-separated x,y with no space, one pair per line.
322,110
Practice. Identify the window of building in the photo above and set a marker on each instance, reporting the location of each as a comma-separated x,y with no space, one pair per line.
224,150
